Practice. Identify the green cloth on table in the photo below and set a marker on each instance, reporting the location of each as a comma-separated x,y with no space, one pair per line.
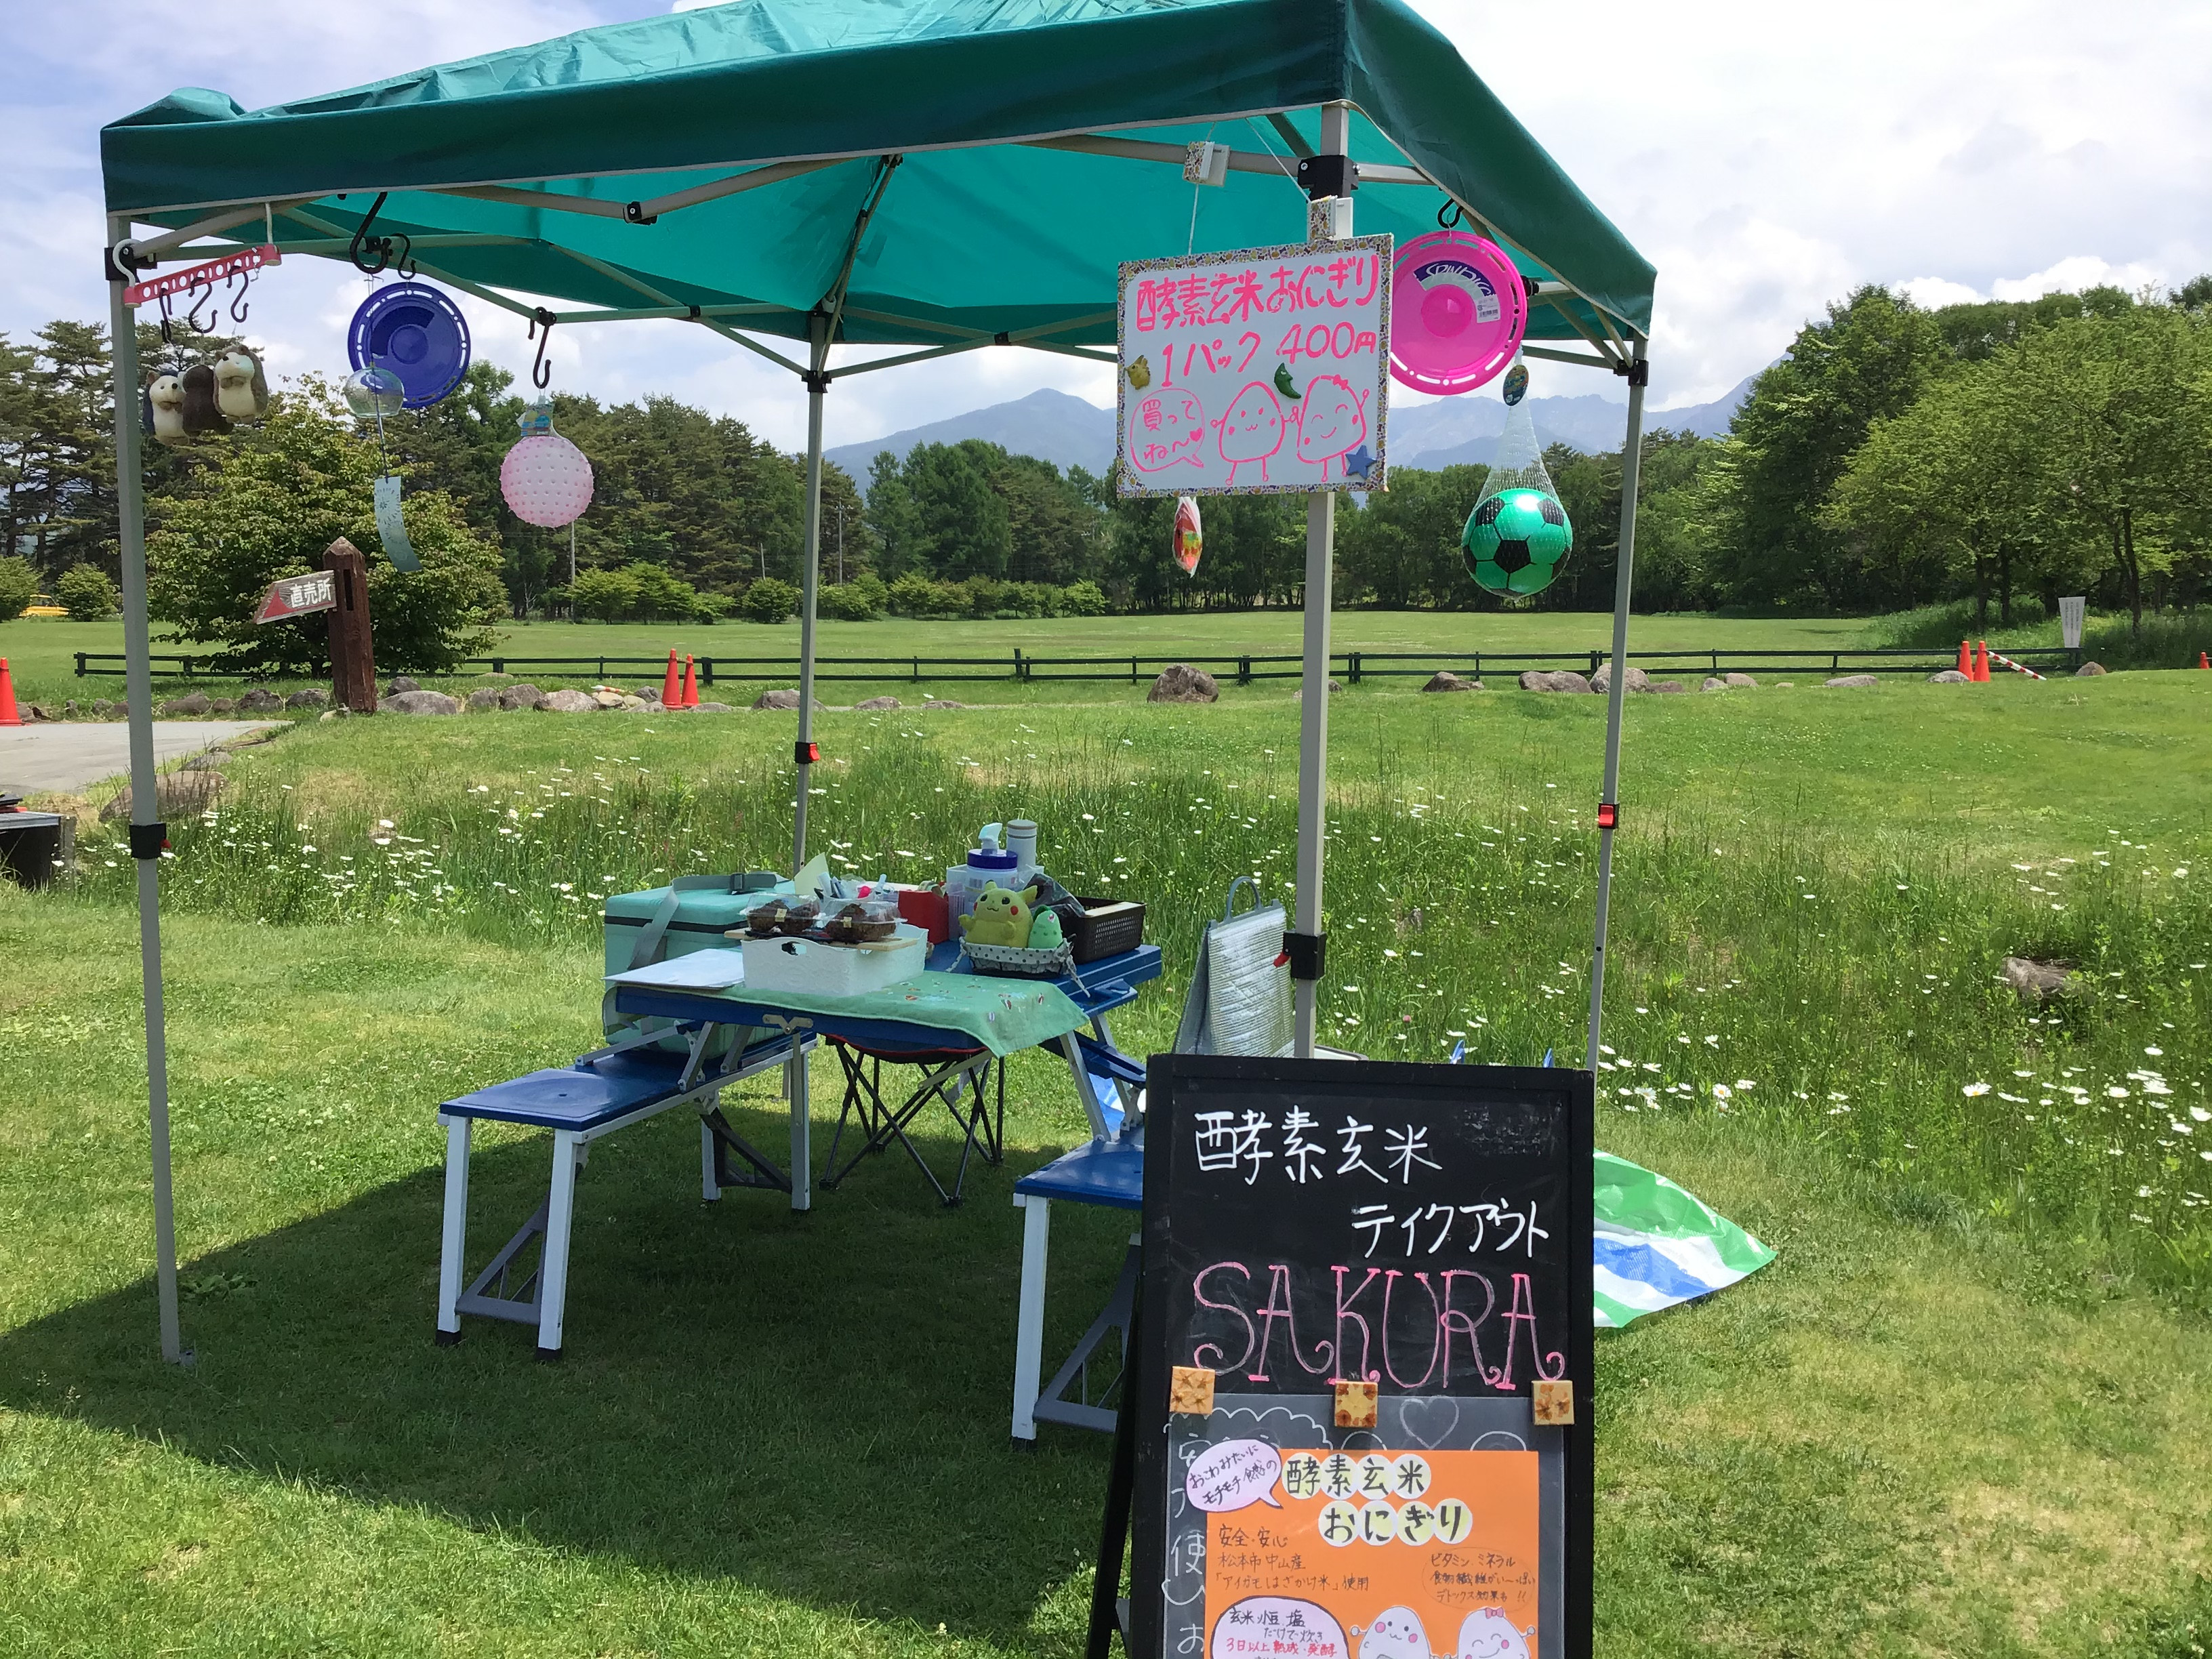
1004,1015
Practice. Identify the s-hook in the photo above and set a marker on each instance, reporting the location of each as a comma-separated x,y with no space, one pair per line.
201,292
381,248
1451,208
540,372
237,306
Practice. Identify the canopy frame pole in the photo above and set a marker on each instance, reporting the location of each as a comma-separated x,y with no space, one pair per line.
1632,458
1308,945
146,839
817,384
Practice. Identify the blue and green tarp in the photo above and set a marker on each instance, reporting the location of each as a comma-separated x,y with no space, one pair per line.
1659,1246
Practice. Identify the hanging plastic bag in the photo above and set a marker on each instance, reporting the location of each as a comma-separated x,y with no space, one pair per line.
1190,534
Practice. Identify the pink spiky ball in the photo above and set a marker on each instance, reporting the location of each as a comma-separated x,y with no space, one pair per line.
545,478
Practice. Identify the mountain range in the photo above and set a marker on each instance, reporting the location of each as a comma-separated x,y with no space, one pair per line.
1448,431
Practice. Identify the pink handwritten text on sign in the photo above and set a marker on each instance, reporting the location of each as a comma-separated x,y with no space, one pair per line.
1261,370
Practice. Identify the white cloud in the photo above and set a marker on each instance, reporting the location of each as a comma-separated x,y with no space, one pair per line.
2083,271
1931,292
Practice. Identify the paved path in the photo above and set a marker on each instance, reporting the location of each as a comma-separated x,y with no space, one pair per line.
70,754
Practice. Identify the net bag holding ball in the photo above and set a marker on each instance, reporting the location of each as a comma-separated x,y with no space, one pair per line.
1458,308
545,478
1518,537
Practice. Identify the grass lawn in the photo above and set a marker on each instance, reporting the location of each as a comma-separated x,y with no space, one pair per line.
1962,1414
40,649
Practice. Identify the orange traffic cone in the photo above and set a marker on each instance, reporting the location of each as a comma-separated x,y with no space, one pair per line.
1966,660
7,714
1981,662
2203,660
690,683
672,691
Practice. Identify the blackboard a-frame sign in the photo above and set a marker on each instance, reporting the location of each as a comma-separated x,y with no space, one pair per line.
1422,1230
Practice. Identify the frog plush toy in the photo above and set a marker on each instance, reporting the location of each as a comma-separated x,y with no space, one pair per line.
1000,917
1046,933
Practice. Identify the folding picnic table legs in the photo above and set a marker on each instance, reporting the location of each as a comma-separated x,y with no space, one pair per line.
802,1129
553,1262
452,1253
1029,1328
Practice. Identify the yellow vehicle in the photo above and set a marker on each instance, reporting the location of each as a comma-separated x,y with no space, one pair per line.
43,605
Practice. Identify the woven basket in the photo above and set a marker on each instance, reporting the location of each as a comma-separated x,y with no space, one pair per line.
1019,962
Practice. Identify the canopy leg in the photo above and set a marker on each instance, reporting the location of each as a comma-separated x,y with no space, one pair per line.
1631,459
1306,951
145,810
818,383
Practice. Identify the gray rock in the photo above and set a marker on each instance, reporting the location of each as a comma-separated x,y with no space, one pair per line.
400,683
705,708
1665,685
190,704
419,703
520,696
484,700
1549,679
942,703
2038,981
1852,683
1742,682
607,697
781,698
101,708
32,712
259,699
2087,669
1180,682
640,706
210,762
871,706
1445,680
1601,682
569,701
1949,677
649,693
222,705
314,697
1712,684
176,795
1299,694
70,710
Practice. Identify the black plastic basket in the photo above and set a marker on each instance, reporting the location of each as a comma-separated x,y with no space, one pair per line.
1105,928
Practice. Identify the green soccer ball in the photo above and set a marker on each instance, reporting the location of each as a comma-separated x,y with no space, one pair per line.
1515,542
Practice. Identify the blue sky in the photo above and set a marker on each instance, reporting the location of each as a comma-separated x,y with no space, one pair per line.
1765,158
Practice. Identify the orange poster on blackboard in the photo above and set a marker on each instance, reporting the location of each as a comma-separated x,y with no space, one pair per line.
1375,1554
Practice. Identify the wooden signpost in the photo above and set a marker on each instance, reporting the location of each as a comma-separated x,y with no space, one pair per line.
1356,1421
353,660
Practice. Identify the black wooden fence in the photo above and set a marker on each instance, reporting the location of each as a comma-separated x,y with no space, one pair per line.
1354,666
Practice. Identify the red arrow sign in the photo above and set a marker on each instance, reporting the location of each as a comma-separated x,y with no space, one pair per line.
295,596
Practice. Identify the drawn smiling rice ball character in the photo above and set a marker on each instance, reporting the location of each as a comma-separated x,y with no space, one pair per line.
1396,1634
1252,428
1333,421
1489,1634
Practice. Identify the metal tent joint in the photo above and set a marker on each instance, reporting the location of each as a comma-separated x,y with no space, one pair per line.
815,380
1637,372
148,840
1308,954
1327,176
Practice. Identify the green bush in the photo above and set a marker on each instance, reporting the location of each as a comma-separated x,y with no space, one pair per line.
86,593
770,599
18,587
914,595
274,501
1084,598
850,601
604,595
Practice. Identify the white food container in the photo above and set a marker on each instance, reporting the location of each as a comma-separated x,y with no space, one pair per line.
818,969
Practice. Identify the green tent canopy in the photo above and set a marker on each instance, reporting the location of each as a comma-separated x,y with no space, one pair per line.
947,175
1034,139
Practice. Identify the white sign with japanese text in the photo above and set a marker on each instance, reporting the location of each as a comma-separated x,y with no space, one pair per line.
1262,371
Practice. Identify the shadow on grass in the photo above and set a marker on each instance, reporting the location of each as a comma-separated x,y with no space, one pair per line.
816,1405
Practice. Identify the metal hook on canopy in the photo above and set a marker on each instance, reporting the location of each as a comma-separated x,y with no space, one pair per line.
201,292
540,372
167,322
1451,223
237,306
379,246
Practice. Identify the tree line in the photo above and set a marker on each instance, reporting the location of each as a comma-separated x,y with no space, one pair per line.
1895,457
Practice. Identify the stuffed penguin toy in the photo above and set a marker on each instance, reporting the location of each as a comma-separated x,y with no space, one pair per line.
165,398
201,415
241,390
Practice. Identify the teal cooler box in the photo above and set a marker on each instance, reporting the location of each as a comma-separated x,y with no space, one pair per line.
693,912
